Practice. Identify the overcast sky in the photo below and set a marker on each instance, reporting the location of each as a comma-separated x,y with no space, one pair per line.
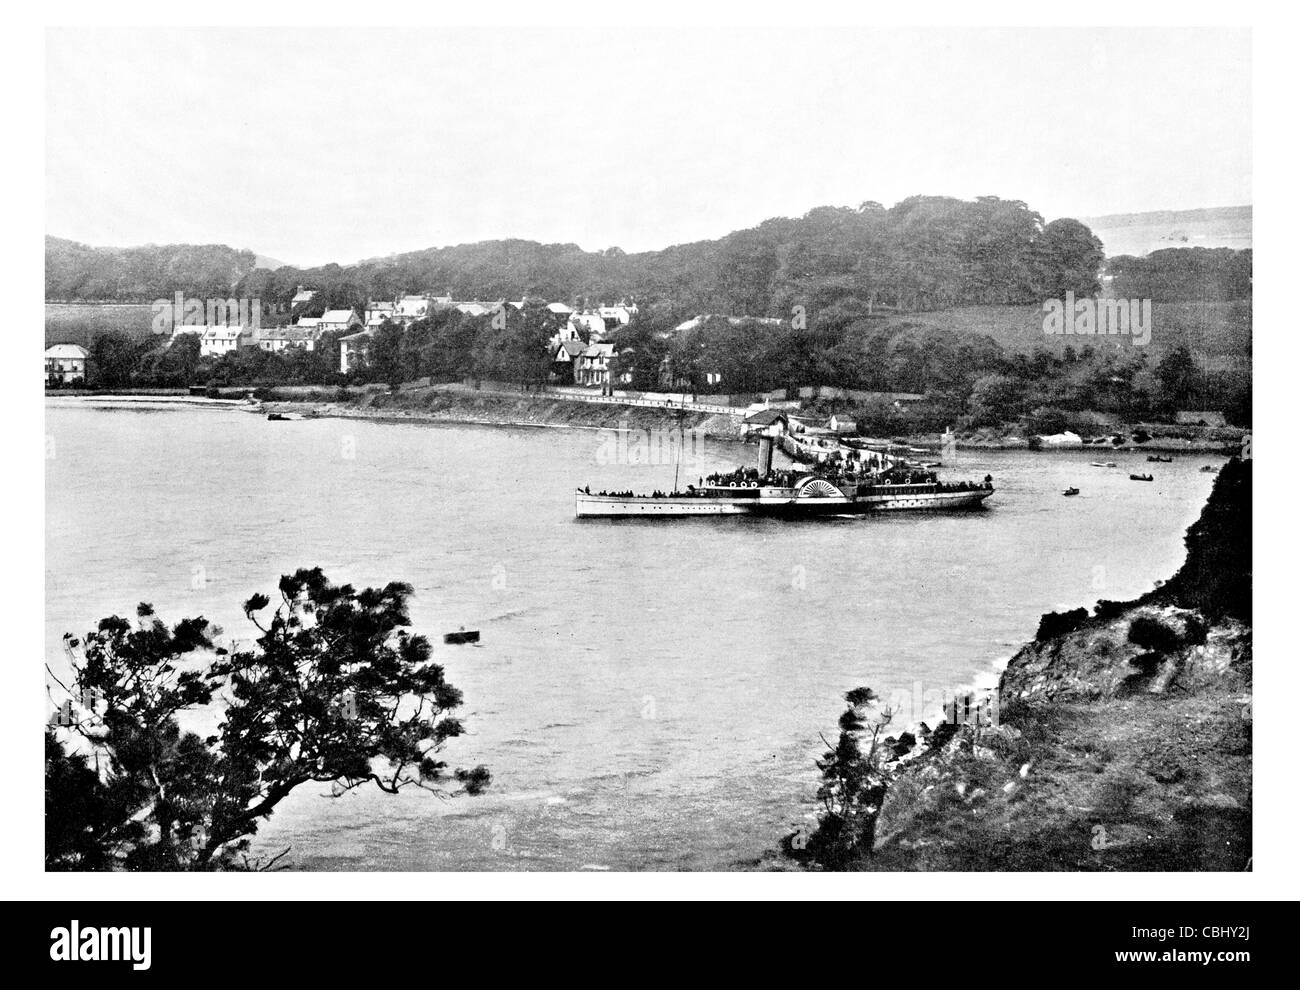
312,145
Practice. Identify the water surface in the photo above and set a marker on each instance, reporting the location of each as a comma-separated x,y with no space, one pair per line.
648,694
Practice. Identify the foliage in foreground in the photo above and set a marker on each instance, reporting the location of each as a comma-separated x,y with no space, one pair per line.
853,787
334,690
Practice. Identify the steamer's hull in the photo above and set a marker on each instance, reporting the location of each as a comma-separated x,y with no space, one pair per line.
782,503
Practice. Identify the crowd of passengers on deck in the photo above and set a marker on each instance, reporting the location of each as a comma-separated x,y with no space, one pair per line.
749,477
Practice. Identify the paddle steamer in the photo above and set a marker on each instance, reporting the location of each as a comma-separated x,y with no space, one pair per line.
893,486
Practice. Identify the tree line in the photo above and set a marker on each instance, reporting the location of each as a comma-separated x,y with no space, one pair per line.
78,272
926,252
1184,274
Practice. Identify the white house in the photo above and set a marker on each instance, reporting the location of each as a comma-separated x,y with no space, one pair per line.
622,315
353,348
408,309
338,319
559,309
593,365
214,341
66,363
276,339
303,296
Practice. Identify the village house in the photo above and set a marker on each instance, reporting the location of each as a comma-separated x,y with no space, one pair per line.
214,341
621,314
353,349
338,319
559,309
378,311
593,366
302,296
65,363
311,324
765,422
569,331
408,309
276,339
564,359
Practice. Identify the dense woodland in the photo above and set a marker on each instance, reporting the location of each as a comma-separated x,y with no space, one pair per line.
78,272
1184,274
926,252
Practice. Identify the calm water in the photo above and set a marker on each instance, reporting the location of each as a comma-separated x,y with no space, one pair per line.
648,695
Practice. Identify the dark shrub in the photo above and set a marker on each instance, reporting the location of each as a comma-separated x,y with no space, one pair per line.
1107,609
1054,624
1152,634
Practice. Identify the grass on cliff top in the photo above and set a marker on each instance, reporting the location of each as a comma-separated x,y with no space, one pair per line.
1139,783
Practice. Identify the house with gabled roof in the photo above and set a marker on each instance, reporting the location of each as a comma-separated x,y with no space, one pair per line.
66,363
593,365
338,319
767,422
215,341
276,339
564,359
621,314
408,309
379,310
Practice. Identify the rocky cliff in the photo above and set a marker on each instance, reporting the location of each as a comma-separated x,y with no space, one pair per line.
1121,740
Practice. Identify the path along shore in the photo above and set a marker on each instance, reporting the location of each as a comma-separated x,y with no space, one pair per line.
456,403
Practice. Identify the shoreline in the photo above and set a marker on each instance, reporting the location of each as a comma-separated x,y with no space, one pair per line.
557,411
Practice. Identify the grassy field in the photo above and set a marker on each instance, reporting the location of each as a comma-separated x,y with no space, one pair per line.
78,323
1219,334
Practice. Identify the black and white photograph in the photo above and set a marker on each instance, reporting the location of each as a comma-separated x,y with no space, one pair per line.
575,448
673,466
